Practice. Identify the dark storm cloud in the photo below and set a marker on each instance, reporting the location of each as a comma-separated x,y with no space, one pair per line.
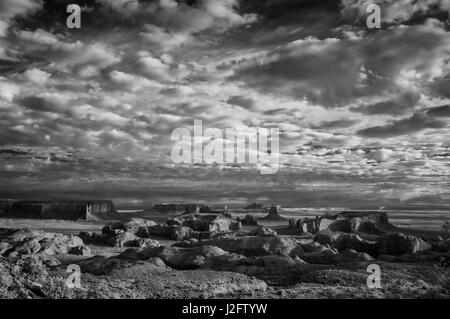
441,87
396,11
335,124
440,111
333,72
398,106
240,100
413,124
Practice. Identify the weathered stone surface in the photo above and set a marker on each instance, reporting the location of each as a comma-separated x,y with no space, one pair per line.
331,256
342,241
122,239
129,225
370,222
353,241
263,231
257,246
80,250
399,244
326,237
26,242
209,223
314,247
280,262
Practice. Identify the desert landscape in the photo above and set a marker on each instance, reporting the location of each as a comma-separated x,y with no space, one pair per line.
262,252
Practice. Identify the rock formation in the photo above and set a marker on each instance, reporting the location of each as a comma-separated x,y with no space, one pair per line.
274,213
88,210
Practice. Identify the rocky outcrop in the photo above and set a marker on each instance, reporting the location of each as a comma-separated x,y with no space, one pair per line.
17,242
131,225
305,225
256,246
209,223
274,213
342,241
331,256
349,221
390,244
89,210
249,220
263,231
399,244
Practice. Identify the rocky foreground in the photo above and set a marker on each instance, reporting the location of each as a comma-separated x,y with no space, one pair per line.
212,257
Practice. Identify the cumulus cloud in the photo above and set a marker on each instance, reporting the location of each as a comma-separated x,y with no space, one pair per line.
380,155
8,90
37,76
170,23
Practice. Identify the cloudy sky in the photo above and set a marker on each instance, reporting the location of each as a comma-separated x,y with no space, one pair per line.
363,113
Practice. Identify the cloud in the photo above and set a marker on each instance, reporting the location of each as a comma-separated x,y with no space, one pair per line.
12,8
380,155
397,106
37,76
240,100
335,72
413,124
180,17
335,124
45,102
439,111
8,90
393,11
125,81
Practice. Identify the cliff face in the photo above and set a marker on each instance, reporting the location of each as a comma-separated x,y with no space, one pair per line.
66,210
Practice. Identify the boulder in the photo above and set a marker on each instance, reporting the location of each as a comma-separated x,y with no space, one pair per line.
263,231
399,244
122,239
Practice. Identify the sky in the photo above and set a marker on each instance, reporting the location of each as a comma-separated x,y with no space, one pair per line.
363,114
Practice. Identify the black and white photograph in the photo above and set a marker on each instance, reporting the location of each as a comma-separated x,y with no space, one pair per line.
237,150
